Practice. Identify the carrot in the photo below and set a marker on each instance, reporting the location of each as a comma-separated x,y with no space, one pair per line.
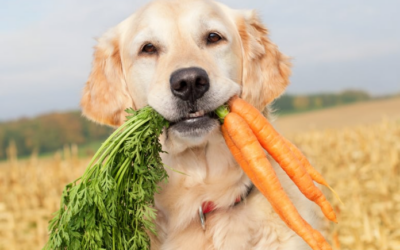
237,154
276,146
244,165
323,245
263,176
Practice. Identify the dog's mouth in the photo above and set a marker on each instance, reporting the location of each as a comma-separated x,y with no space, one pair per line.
194,116
196,123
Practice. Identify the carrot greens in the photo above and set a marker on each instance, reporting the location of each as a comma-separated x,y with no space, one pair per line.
111,205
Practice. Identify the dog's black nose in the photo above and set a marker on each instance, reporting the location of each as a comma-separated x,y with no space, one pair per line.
189,84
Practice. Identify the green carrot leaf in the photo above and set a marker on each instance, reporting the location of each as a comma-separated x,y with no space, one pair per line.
112,205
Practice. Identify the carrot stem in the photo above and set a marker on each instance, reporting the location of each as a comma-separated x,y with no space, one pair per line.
222,112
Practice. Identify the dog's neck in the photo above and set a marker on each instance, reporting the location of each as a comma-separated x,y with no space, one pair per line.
208,173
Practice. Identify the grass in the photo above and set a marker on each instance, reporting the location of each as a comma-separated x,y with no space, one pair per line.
284,113
84,151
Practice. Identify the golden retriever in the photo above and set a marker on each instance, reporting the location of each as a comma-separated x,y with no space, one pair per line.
185,58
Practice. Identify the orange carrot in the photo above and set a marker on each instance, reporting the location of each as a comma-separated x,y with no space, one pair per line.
237,154
244,165
272,141
323,245
263,176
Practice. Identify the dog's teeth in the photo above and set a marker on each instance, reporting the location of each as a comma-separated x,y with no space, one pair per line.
197,114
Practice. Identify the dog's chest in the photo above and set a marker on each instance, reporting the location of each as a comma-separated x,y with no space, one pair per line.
250,225
214,177
197,176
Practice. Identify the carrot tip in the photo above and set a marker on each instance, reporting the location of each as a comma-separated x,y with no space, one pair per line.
335,194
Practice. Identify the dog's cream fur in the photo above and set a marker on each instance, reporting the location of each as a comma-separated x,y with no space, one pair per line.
245,62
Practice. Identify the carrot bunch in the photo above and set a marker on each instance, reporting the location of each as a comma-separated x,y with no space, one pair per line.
247,132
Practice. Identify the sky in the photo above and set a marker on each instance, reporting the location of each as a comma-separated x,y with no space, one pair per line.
46,46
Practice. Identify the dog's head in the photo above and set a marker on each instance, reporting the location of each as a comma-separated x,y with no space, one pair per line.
184,58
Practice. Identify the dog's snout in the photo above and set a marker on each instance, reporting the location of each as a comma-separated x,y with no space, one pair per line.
189,84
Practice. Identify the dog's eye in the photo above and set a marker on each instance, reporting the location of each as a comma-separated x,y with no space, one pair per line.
149,48
213,38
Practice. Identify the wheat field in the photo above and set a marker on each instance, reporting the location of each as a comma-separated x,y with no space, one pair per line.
362,163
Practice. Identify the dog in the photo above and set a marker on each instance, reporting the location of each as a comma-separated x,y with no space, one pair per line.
185,58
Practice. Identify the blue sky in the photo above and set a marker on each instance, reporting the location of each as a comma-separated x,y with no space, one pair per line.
46,46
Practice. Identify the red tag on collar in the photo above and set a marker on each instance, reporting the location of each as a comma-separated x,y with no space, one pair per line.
209,206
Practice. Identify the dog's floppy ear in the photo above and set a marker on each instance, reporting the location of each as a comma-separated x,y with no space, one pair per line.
266,71
106,96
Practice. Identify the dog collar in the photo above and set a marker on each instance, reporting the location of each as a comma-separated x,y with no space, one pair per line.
209,206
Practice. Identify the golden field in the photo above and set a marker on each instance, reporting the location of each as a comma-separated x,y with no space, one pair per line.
359,157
